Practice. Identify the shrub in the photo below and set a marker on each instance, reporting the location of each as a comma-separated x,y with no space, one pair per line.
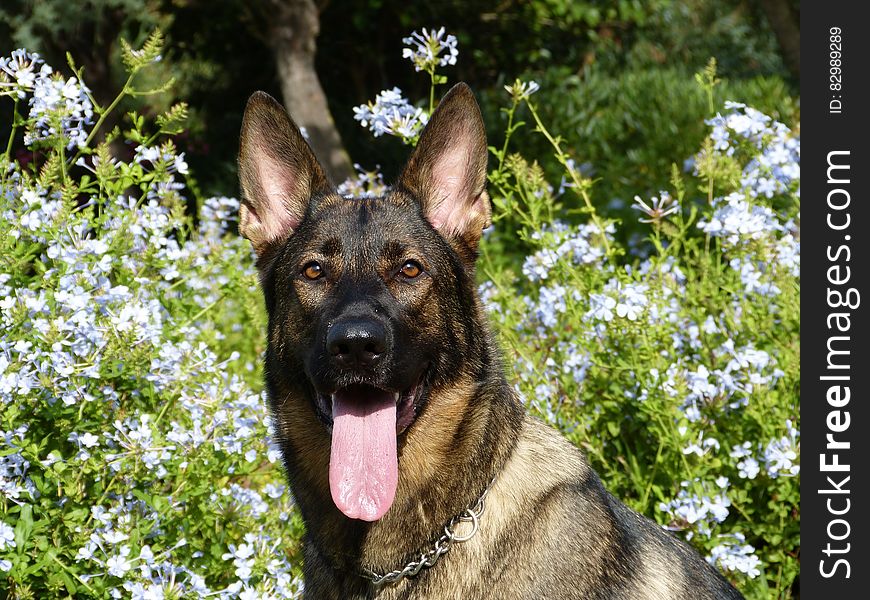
673,363
629,126
135,456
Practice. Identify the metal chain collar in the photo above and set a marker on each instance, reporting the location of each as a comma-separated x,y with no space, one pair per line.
428,559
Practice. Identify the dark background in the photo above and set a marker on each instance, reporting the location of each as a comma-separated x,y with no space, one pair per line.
616,76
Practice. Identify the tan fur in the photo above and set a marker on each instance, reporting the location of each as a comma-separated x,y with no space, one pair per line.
659,580
515,494
424,452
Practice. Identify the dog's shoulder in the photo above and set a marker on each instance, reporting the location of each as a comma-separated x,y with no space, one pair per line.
553,513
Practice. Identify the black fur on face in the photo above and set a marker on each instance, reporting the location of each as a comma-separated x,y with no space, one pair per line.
360,250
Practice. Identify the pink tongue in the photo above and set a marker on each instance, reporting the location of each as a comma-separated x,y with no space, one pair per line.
363,468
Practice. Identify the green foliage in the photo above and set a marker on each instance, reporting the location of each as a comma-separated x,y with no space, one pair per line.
135,445
677,373
629,128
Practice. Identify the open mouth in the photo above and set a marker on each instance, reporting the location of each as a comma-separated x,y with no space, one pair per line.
363,462
407,402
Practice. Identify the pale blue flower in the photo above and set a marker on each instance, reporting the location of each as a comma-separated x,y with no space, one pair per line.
735,555
392,114
425,49
118,564
737,221
7,536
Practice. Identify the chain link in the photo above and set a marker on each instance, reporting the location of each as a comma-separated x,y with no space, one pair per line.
428,559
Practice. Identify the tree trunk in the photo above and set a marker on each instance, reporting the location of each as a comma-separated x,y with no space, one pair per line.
292,29
787,30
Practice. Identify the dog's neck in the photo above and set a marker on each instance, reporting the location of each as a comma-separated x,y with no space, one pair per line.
446,460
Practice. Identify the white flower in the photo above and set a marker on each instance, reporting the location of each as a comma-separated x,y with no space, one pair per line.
662,206
748,468
115,537
7,536
118,565
601,307
89,440
424,49
629,311
521,90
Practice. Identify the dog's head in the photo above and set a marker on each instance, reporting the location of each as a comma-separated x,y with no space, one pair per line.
371,300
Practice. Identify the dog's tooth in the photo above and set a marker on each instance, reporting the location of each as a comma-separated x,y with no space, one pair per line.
396,397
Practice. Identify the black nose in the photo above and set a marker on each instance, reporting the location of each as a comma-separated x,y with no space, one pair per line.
357,343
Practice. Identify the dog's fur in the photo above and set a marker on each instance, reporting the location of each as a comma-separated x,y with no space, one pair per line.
550,529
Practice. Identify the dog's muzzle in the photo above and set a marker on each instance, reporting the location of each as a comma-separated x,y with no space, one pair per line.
356,344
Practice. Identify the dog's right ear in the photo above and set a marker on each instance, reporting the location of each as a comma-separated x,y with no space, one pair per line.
278,173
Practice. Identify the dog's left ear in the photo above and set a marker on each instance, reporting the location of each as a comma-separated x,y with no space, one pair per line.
447,169
278,173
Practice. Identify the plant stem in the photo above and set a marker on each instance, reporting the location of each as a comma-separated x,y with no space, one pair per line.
652,477
12,132
105,112
579,184
68,570
204,310
507,136
103,496
431,91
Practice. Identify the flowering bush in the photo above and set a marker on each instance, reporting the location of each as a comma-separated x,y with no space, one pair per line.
134,454
135,458
673,363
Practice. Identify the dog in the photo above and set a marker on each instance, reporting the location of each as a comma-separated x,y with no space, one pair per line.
417,471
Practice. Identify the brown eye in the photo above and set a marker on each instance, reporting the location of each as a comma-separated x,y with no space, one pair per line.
411,269
312,271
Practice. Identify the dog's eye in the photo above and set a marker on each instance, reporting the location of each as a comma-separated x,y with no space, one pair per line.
411,269
312,270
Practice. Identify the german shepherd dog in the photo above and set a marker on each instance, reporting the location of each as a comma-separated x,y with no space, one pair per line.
401,437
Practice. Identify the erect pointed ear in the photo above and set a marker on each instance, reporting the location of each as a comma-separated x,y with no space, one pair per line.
447,169
278,173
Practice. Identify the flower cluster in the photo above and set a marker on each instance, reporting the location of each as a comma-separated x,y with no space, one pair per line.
624,300
575,245
121,404
682,349
775,165
735,554
60,108
736,220
366,184
425,49
757,241
392,114
778,456
698,505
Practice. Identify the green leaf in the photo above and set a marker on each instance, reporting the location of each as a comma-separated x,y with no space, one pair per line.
24,527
